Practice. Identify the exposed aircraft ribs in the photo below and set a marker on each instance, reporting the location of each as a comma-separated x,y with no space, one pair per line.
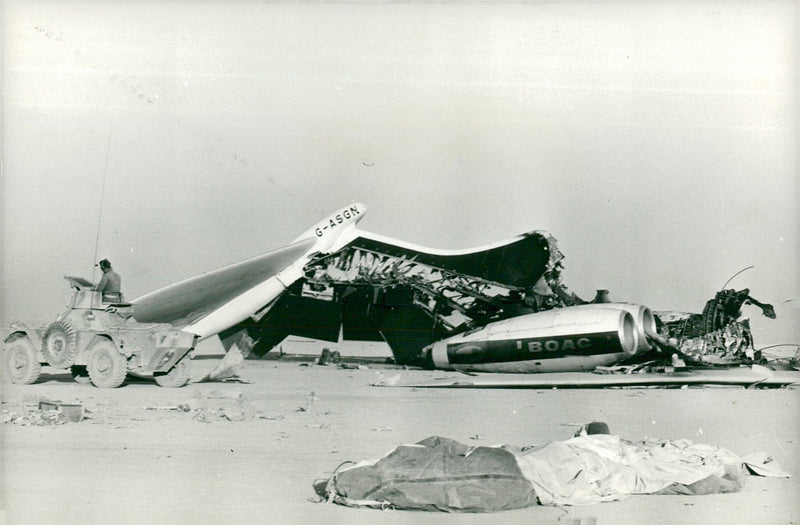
451,298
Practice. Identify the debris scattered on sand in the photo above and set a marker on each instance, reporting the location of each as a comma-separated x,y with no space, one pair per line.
386,381
271,417
357,366
329,357
623,369
227,369
219,405
42,413
235,412
192,404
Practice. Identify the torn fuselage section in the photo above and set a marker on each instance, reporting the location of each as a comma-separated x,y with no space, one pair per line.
412,299
501,308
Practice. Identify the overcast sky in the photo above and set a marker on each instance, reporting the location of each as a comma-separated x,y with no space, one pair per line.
658,142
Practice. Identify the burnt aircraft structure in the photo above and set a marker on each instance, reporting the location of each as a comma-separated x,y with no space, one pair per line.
500,307
717,336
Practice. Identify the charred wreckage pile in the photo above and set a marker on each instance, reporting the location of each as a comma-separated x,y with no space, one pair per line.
370,292
496,308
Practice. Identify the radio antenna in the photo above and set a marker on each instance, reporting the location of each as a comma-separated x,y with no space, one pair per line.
102,198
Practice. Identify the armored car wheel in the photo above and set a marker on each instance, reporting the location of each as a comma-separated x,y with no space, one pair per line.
20,361
59,344
106,366
175,378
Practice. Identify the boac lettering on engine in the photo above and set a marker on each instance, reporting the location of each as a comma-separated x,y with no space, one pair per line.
555,345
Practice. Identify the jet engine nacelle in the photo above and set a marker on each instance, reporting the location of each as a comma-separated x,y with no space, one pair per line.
645,322
560,340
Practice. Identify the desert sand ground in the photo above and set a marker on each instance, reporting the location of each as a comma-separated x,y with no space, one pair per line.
249,452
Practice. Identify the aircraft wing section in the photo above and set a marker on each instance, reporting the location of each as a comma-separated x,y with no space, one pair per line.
216,301
186,301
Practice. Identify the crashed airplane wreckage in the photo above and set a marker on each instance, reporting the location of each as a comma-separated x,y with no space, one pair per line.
716,336
500,307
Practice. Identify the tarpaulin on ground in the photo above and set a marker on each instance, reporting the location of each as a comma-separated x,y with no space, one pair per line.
593,468
436,474
442,474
